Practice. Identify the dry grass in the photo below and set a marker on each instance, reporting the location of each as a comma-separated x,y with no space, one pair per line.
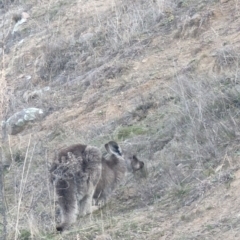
96,50
227,57
118,34
184,138
207,127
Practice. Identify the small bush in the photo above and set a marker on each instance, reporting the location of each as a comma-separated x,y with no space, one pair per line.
126,132
25,235
226,57
206,126
58,57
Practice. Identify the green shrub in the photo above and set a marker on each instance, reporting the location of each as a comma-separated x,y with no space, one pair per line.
126,132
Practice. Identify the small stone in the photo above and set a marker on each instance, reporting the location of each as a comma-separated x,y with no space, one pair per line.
25,15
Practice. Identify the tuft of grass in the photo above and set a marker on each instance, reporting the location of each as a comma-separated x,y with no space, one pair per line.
25,235
57,58
129,131
180,191
226,57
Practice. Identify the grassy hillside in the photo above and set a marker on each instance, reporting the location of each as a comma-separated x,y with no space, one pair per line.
159,77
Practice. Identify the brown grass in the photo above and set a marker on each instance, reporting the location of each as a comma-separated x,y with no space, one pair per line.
182,124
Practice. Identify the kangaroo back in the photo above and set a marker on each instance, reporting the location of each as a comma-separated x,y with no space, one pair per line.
75,174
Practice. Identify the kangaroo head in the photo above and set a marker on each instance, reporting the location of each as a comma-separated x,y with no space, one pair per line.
136,164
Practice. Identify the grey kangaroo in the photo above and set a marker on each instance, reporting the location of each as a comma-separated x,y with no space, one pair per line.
75,173
114,169
80,174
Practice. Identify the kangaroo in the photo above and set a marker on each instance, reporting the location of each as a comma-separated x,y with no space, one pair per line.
114,169
75,174
81,175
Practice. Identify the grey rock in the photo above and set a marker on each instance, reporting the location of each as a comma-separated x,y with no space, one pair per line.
18,122
17,25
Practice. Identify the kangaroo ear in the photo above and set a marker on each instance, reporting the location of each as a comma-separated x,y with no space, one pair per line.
112,147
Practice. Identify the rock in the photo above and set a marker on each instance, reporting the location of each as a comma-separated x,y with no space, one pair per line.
16,26
19,16
25,15
18,122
